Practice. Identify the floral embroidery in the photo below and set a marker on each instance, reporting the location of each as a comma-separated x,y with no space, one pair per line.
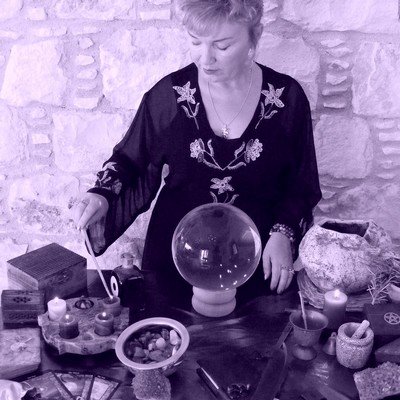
253,150
248,152
105,181
272,98
187,94
197,150
223,186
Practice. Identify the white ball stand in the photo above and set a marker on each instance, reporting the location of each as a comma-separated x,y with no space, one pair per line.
213,304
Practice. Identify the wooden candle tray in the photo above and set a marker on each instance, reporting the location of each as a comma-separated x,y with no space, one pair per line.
88,342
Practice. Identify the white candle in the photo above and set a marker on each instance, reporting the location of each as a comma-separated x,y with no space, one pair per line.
57,308
335,303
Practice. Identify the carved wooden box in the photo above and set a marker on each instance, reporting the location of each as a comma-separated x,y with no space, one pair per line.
21,307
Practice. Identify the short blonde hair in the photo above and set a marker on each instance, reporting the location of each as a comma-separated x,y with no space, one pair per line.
201,15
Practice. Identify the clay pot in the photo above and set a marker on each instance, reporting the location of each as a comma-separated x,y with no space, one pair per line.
344,254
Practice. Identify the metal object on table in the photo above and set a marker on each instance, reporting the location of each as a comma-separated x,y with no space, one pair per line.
272,376
212,385
285,333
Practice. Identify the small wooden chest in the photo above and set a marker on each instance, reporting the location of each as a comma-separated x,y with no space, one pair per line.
52,268
21,307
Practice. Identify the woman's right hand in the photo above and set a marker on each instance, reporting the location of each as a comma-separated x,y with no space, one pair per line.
91,208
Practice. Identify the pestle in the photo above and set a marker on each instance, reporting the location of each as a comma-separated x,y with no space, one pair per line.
359,332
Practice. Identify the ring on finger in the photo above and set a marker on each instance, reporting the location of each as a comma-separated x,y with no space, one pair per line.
289,269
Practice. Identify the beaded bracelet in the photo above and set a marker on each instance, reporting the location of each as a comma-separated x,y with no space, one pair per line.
285,230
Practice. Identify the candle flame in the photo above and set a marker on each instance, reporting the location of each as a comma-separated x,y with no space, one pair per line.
103,314
66,316
56,299
336,294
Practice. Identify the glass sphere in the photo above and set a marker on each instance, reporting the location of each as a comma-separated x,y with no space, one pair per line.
216,247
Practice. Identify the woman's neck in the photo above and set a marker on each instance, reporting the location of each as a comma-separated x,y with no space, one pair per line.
236,83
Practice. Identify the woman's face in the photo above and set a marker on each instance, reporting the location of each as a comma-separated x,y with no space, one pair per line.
223,54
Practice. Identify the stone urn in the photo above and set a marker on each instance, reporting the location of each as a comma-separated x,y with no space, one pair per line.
344,254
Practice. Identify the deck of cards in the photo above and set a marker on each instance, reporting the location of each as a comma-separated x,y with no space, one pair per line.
70,385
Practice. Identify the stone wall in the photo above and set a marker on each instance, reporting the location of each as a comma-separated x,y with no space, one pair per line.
72,73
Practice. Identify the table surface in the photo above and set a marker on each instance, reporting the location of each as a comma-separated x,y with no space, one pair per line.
255,325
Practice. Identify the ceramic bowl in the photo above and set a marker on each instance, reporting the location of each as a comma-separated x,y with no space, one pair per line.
167,366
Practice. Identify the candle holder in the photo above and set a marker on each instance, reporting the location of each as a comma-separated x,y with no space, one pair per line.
104,324
68,326
57,308
304,338
90,339
112,305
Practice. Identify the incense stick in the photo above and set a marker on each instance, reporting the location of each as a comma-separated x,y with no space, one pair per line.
303,310
89,246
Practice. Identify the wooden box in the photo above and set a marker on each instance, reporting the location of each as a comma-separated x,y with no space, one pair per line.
52,268
19,352
21,307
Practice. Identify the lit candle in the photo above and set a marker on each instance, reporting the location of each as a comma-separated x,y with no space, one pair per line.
68,325
112,305
57,308
335,307
104,324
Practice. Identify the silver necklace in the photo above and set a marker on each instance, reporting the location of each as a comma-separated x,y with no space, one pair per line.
225,131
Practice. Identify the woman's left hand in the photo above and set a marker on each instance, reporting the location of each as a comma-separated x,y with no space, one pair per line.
278,261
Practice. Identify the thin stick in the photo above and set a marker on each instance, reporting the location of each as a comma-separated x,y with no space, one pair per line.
303,310
89,246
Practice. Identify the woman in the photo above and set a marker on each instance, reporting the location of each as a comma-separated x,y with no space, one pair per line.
231,130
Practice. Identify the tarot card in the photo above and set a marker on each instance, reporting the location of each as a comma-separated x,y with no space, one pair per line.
46,387
103,388
77,383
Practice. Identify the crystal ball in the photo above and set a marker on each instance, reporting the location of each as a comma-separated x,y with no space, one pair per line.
216,247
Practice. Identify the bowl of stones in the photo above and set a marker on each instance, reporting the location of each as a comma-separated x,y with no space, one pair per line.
153,343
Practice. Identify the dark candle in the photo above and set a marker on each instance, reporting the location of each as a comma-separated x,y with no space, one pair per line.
68,325
104,324
112,305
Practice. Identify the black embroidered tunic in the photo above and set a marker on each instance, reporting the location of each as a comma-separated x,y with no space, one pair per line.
270,172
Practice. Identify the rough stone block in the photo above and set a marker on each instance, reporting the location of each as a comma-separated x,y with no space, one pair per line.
287,56
33,73
132,62
13,137
82,141
89,73
370,201
84,60
376,84
339,15
10,8
106,10
343,147
36,13
389,136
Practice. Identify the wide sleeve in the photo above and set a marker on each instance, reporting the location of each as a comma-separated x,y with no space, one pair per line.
130,178
301,187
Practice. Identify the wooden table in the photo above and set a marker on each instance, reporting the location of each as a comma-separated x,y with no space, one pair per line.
255,325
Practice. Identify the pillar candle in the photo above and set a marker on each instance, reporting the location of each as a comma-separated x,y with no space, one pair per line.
57,308
68,325
335,307
104,324
112,305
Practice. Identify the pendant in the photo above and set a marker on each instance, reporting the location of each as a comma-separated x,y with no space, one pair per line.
225,131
